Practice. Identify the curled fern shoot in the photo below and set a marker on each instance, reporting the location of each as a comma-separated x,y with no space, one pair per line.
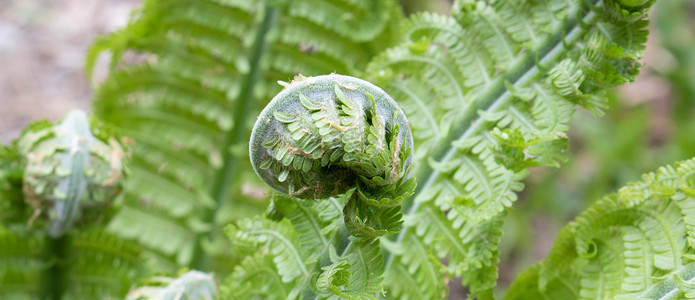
328,135
71,176
324,135
57,185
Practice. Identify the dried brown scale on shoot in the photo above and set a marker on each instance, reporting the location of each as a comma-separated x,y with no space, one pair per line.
333,134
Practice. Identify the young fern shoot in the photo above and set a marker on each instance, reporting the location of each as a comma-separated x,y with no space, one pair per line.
57,185
344,140
328,135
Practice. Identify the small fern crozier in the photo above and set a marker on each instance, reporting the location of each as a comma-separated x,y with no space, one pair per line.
322,136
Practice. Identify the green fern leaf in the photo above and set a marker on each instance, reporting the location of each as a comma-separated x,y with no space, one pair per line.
301,239
499,80
628,245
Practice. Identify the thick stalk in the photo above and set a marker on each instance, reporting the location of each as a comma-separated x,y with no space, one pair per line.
54,277
226,175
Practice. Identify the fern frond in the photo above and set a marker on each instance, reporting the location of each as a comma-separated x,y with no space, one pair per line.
310,230
298,245
70,177
627,245
525,286
501,80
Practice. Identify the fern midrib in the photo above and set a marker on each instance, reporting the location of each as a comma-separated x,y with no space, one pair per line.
646,259
497,96
226,175
365,266
676,290
54,280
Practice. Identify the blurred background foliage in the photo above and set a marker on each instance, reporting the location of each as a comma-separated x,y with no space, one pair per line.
651,122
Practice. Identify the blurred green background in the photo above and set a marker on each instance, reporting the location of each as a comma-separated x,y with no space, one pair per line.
651,122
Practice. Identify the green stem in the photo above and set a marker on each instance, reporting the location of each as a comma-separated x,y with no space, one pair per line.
226,175
54,278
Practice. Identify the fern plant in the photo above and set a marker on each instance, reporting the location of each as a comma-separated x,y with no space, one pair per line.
364,209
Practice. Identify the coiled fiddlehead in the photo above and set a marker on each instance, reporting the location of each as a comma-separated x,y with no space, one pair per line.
327,135
70,176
